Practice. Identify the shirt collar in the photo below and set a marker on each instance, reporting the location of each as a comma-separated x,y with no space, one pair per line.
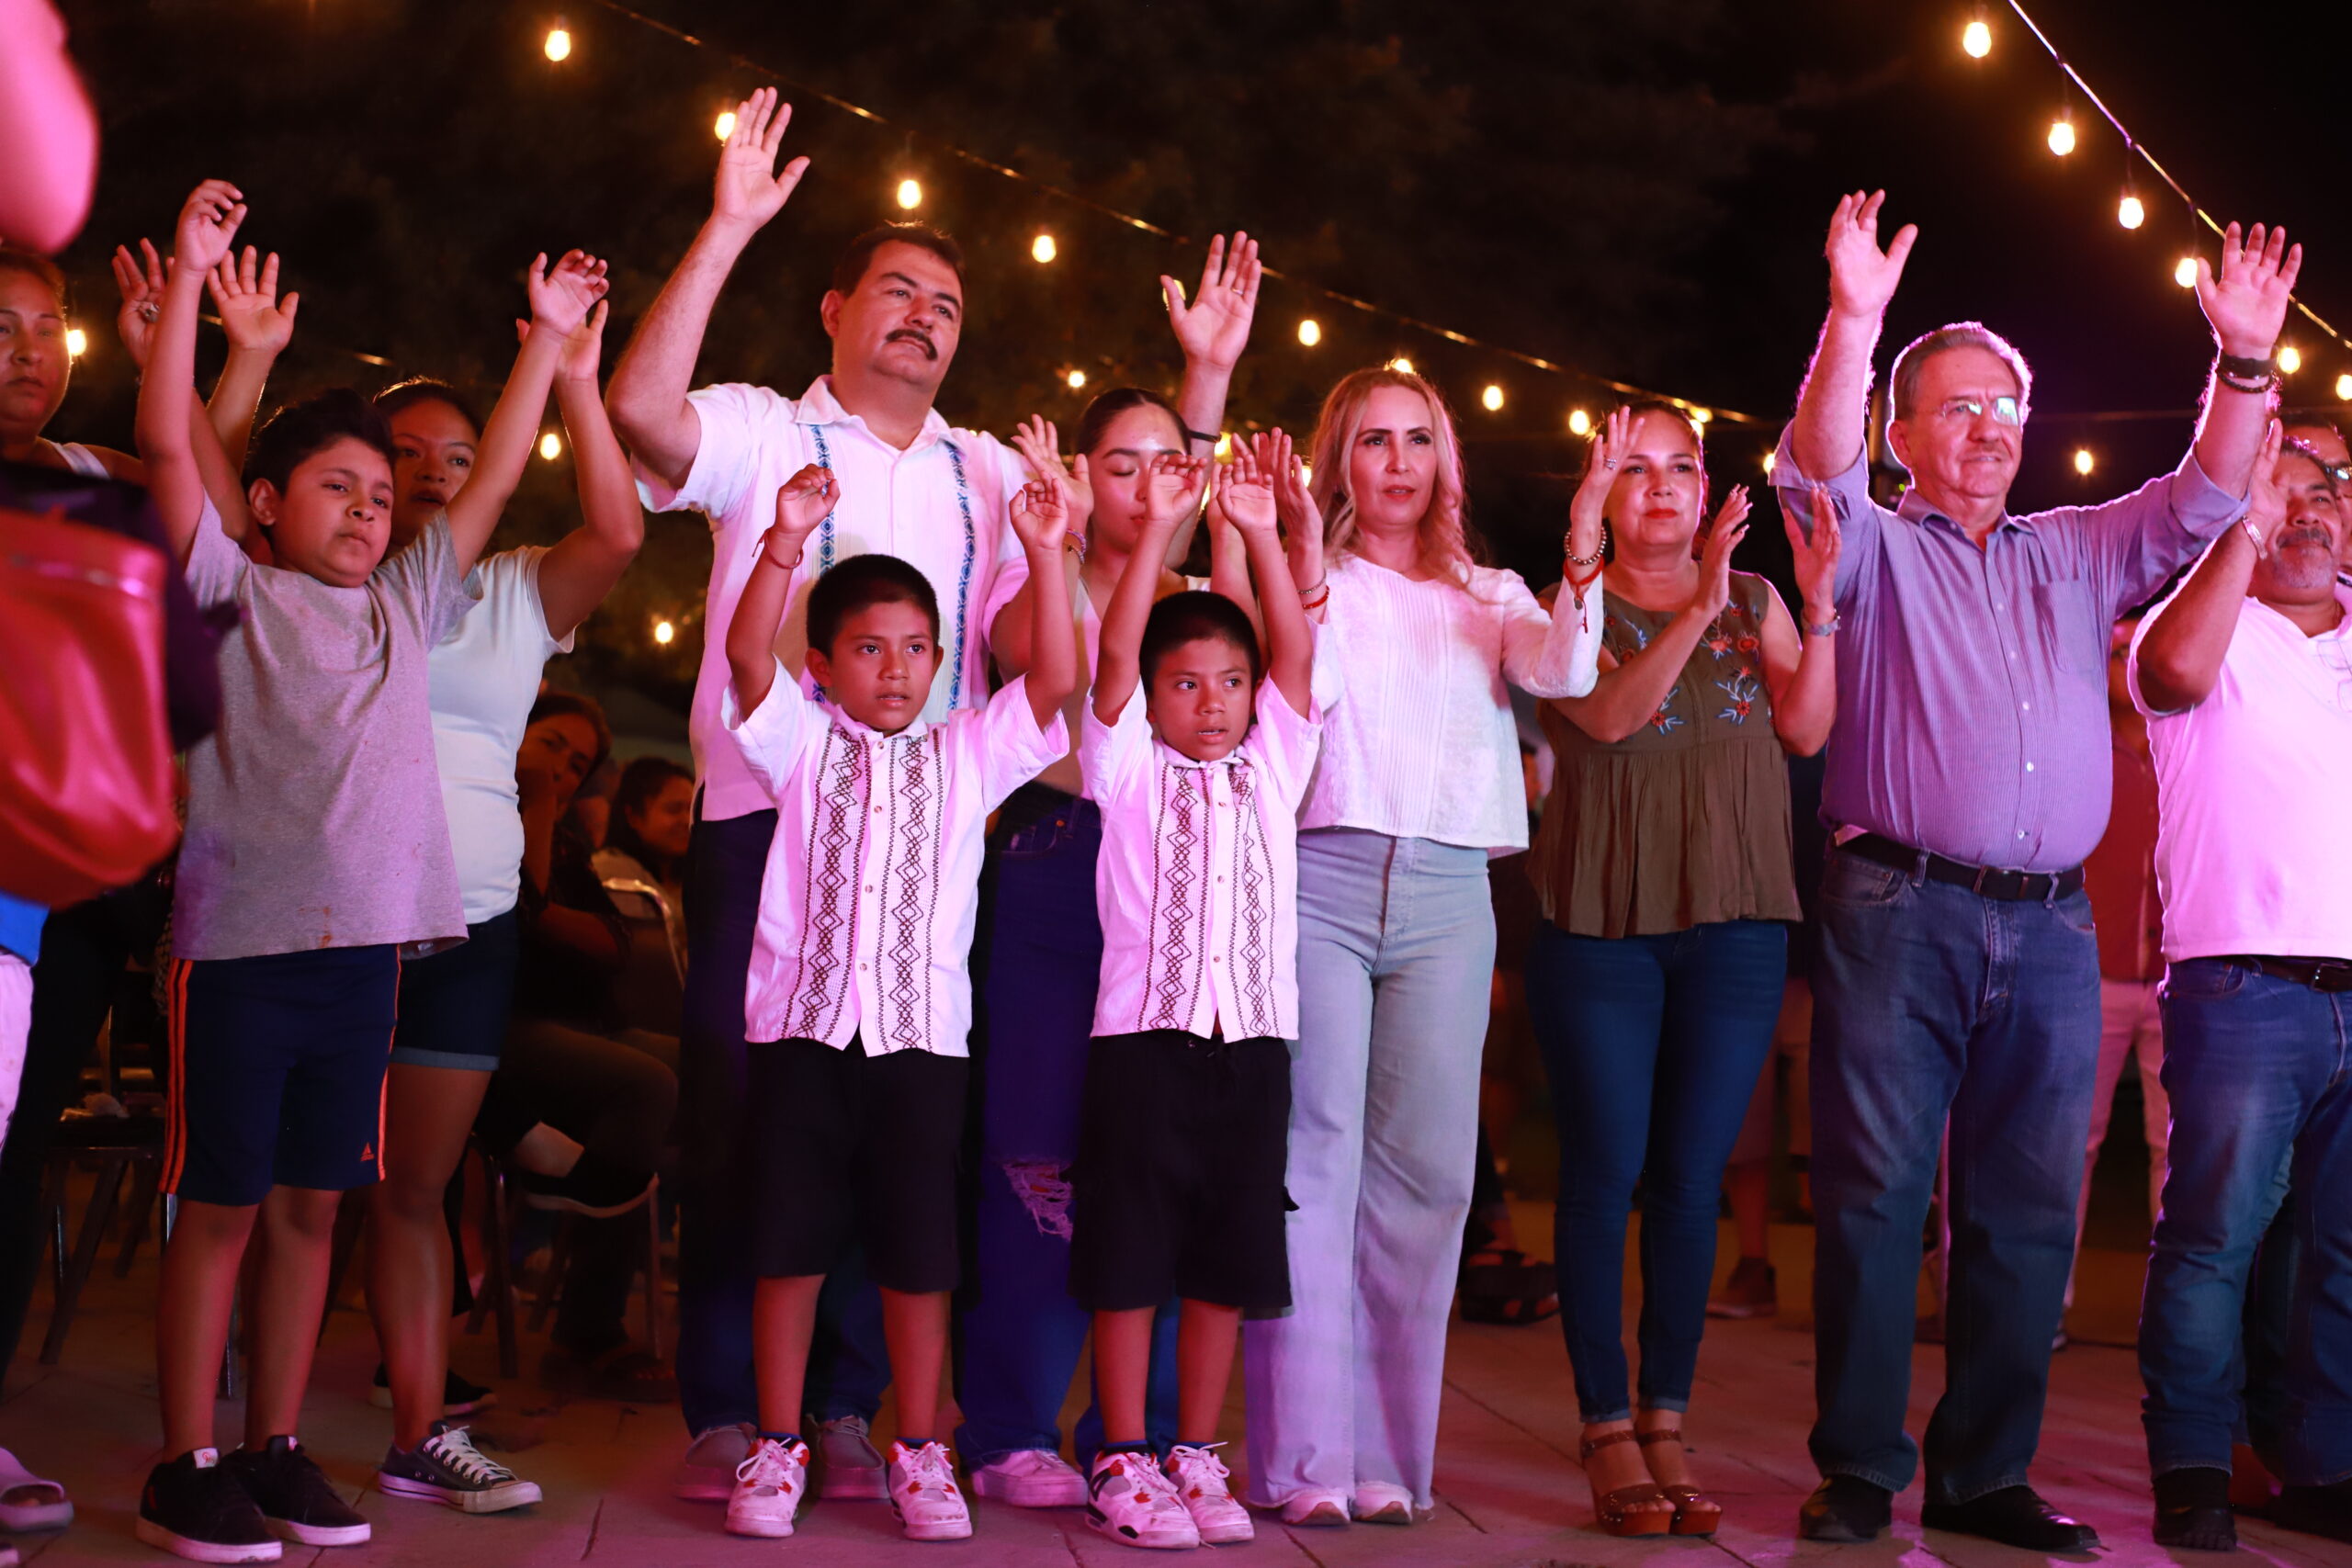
818,406
1915,508
1174,757
865,734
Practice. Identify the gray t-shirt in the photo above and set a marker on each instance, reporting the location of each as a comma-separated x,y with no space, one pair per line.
314,813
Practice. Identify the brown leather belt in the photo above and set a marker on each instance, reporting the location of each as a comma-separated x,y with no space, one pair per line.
1990,881
2330,974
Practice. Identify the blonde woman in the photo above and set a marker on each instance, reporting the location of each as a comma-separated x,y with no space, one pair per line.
1419,784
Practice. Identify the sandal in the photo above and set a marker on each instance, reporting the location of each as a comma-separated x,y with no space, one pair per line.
1694,1514
627,1372
1641,1509
1512,1291
29,1503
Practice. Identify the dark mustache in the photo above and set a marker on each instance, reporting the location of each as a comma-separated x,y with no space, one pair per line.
2297,533
909,335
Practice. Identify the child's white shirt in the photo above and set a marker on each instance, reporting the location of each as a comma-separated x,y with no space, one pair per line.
872,884
1197,883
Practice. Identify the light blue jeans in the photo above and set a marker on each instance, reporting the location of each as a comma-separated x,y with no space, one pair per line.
1395,959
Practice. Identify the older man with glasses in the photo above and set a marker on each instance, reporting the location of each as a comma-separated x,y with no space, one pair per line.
1957,987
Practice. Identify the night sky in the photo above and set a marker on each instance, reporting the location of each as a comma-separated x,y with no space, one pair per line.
1640,189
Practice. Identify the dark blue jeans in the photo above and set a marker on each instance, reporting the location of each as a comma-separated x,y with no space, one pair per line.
849,1366
1020,1335
1944,1017
2262,1105
1653,1045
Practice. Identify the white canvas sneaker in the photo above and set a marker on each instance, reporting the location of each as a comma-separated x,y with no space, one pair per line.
1199,1477
1383,1503
1130,1499
768,1489
1031,1478
924,1496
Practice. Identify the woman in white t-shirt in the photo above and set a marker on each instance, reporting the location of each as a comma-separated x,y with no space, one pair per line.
454,1004
1418,785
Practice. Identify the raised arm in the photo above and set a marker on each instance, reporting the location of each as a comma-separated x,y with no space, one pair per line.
208,222
1213,329
1832,407
2178,653
258,325
647,397
48,127
1302,520
584,566
802,502
2246,305
1040,516
1039,444
1170,496
562,297
1625,695
1801,664
1246,495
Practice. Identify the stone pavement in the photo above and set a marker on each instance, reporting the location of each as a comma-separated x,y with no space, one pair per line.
1510,1492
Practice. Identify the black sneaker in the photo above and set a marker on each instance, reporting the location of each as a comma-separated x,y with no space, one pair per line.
295,1496
194,1508
447,1468
458,1396
596,1187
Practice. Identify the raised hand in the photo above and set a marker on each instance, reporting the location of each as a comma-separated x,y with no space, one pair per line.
244,290
1816,558
1041,516
140,279
1589,510
2247,301
802,501
2265,500
1040,446
208,225
1173,488
584,349
1213,327
1861,277
1245,493
1724,535
563,296
748,191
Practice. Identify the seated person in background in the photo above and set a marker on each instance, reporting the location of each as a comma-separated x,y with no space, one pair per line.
652,814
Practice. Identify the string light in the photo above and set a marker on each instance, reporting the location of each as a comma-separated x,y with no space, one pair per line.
664,633
724,126
909,194
1042,249
558,44
1977,38
77,343
2131,211
2084,462
550,447
1223,445
1402,366
2344,387
1579,422
1076,380
2062,135
1770,460
1310,332
2290,359
2184,272
1492,398
1701,416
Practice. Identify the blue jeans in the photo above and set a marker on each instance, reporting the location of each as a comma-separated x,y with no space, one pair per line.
2261,1087
1020,1335
1396,968
1653,1044
849,1366
1941,1016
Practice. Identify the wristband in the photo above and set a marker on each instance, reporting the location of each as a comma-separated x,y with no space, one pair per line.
2253,534
2263,387
1826,629
1599,550
2247,364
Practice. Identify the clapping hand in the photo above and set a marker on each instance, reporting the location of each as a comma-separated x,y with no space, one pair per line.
140,279
1172,489
748,191
563,296
1245,494
1041,516
1213,327
1861,277
1589,510
1724,535
208,225
1039,444
244,290
1816,558
802,501
2246,303
2265,500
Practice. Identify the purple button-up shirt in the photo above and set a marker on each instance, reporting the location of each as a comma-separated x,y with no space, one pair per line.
1972,683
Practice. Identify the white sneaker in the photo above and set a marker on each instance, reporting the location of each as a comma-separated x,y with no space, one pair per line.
1199,1477
1315,1508
1031,1478
849,1468
1131,1500
1383,1503
707,1473
924,1493
768,1489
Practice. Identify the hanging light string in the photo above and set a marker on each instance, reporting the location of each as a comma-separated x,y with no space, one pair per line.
2135,148
808,91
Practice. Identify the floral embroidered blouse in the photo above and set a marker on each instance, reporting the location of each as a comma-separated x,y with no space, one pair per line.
1685,821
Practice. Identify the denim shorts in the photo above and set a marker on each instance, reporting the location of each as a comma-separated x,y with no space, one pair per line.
454,1003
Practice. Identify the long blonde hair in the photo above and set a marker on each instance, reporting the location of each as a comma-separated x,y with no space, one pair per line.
1448,548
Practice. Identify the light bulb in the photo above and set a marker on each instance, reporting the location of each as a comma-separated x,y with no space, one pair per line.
1077,378
1977,38
558,44
76,341
664,633
1310,332
550,447
1579,422
909,194
2062,136
1402,366
1042,249
1492,398
1771,459
2130,213
724,126
1701,416
2290,359
2344,387
2184,272
2084,462
1223,445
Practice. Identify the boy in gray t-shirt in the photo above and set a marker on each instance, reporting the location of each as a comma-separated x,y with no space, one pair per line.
316,854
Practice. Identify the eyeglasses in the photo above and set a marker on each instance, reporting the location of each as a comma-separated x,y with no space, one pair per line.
2338,474
2006,411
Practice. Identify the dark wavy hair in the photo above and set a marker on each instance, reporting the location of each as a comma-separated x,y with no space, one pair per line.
1194,614
1096,421
555,703
303,429
862,581
39,267
428,389
857,257
642,780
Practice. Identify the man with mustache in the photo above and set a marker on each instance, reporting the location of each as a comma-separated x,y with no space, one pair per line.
2245,675
911,486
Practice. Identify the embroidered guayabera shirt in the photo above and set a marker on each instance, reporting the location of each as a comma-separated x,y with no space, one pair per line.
873,878
1198,878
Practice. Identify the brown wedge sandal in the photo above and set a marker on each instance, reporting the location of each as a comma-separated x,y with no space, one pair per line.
1694,1514
1638,1509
